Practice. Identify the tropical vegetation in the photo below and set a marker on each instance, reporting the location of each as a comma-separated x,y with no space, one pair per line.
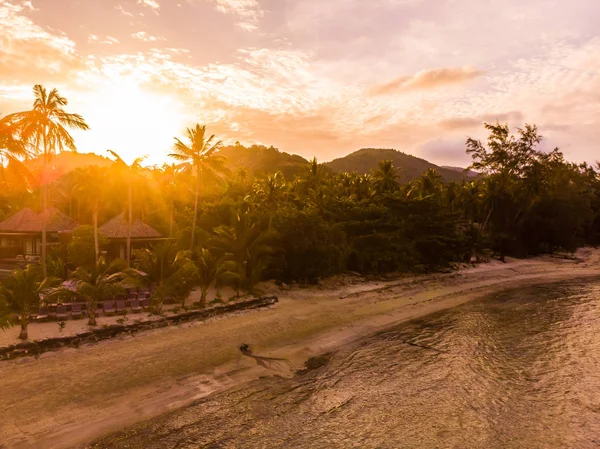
227,224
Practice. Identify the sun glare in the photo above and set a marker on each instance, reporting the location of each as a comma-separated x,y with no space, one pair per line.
131,121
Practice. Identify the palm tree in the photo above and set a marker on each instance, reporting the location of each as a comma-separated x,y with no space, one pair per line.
45,127
100,283
12,149
157,262
202,158
167,181
174,272
91,185
19,293
210,269
130,173
269,192
429,183
64,192
247,246
9,141
385,177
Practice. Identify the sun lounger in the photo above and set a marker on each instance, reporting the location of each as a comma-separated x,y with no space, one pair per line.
76,310
108,307
42,314
120,306
135,306
61,312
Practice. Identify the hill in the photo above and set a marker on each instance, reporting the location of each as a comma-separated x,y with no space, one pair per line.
410,167
466,173
67,161
259,160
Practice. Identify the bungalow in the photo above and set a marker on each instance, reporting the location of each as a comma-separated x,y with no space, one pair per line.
115,231
21,233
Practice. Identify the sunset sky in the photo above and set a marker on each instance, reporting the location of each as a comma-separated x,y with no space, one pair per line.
314,77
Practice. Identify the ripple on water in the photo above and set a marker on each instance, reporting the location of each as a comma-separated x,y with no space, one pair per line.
520,369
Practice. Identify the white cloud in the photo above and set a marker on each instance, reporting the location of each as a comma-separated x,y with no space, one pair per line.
30,53
143,36
29,6
249,11
123,11
109,40
150,4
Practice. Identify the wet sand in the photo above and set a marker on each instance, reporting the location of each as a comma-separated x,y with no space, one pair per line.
68,398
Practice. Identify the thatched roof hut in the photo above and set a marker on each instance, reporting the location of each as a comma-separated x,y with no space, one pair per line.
26,221
117,229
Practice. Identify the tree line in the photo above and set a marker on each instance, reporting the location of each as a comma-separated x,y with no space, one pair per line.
228,228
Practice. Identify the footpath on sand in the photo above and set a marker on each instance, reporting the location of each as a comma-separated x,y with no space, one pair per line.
71,397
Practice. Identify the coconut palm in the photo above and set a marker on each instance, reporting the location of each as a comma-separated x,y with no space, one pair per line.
269,193
9,141
166,179
102,282
210,269
200,156
246,245
174,272
385,177
12,150
129,173
45,127
19,293
91,185
429,183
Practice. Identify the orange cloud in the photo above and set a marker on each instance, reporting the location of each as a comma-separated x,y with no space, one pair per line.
426,79
28,53
249,11
143,36
458,123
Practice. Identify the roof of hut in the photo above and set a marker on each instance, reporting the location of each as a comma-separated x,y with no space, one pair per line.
117,229
26,220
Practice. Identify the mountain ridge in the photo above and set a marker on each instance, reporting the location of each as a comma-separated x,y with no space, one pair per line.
409,166
259,160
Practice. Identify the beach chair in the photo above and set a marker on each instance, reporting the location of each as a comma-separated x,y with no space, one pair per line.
120,306
61,312
108,307
42,314
76,310
135,306
145,303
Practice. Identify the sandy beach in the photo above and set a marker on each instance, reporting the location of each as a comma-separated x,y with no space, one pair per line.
68,398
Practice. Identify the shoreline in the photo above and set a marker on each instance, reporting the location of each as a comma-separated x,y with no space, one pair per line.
141,377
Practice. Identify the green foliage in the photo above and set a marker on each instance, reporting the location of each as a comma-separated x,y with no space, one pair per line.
173,272
240,215
209,270
384,177
309,248
532,201
99,283
259,161
57,262
81,248
247,246
19,294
